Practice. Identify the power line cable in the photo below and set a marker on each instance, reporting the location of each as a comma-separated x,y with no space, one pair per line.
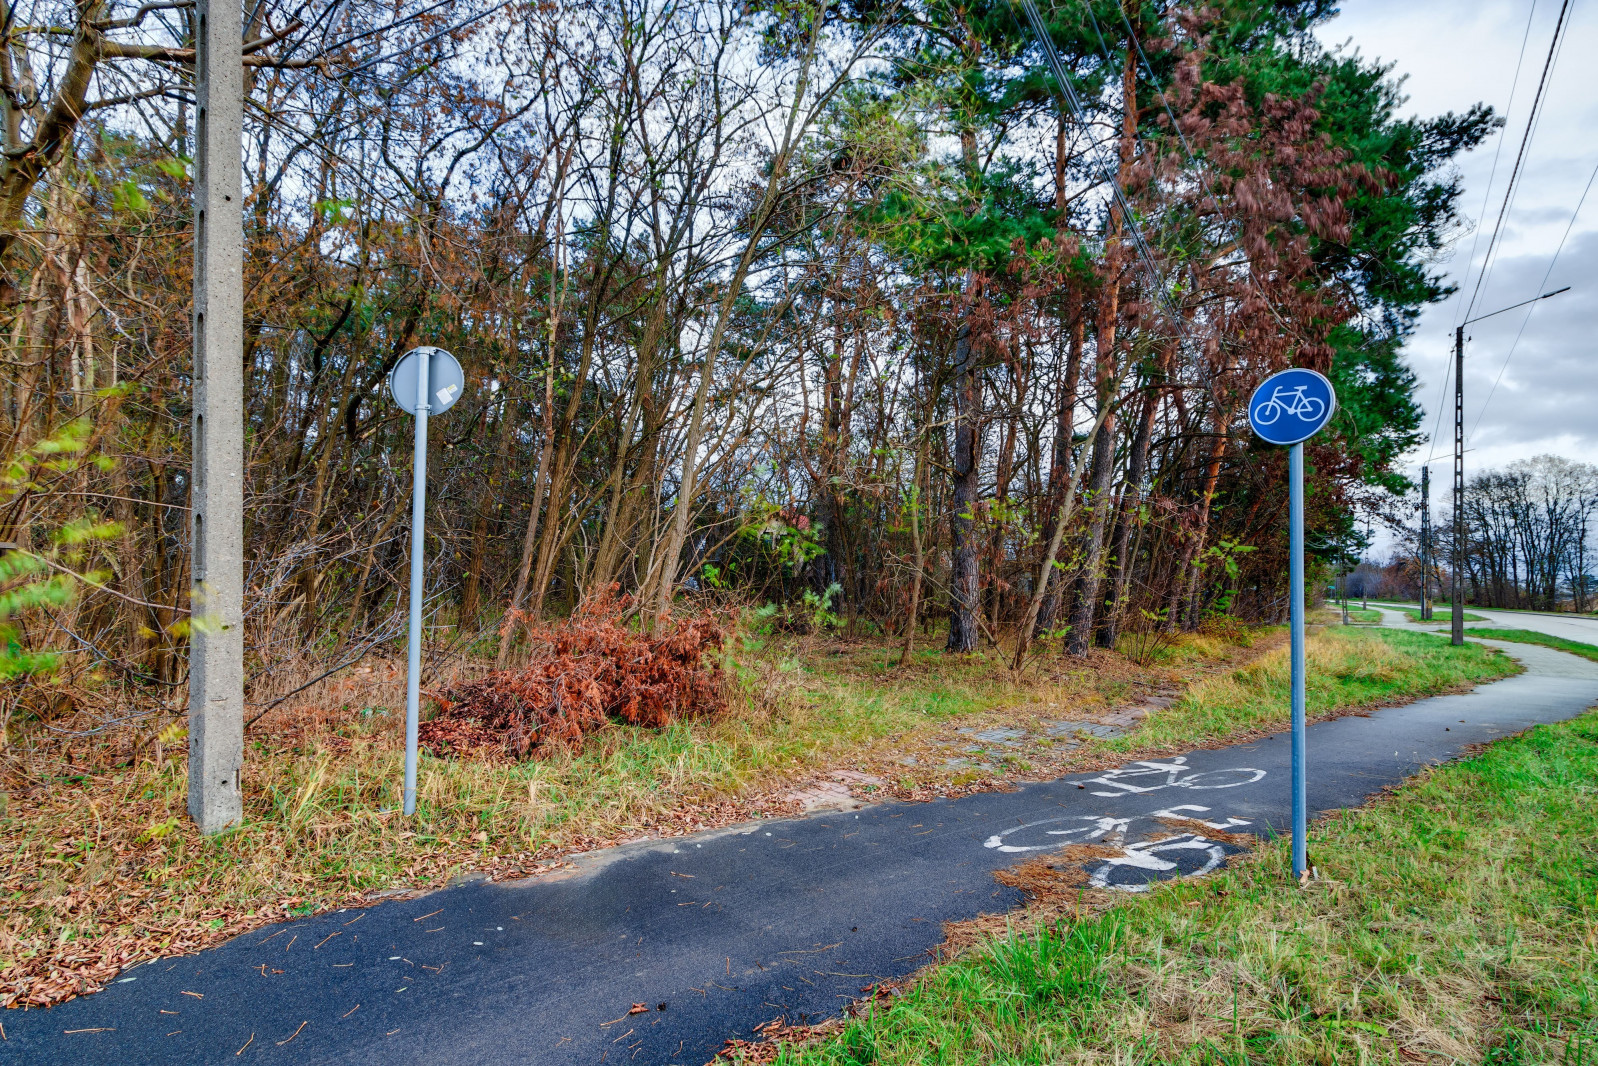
1514,195
1543,287
1520,155
1498,150
1129,220
1486,198
1448,375
1531,118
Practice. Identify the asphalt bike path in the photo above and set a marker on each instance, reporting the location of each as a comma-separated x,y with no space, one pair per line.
702,938
1583,628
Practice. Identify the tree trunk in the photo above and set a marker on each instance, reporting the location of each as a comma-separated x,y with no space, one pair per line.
530,538
963,577
617,508
1186,587
920,550
1001,496
488,497
1080,636
24,165
1064,456
665,581
358,600
1079,639
1131,503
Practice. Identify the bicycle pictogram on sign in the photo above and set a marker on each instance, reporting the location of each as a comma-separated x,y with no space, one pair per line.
1294,404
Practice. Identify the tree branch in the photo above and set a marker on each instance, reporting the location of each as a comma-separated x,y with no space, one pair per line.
138,16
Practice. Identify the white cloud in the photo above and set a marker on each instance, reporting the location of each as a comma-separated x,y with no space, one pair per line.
1452,55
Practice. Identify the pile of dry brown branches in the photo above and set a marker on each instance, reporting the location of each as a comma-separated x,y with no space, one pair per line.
585,671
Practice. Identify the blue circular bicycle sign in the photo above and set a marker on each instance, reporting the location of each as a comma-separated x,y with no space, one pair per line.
1291,406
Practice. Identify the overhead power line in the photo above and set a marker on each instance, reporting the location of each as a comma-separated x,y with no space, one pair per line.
1107,172
1486,198
1492,174
1520,187
1463,314
1540,288
1520,155
1448,375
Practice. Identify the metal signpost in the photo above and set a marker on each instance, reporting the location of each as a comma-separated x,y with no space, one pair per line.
425,381
1288,408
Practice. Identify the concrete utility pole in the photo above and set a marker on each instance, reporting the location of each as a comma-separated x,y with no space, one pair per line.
1365,578
1457,586
216,483
1425,543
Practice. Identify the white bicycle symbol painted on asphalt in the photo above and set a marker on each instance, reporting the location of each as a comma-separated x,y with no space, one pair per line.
1183,855
1152,775
1290,402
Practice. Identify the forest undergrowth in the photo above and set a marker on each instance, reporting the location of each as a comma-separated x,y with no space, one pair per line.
101,867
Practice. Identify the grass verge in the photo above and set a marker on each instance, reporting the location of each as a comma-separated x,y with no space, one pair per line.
1345,670
100,867
1527,636
1442,615
1459,923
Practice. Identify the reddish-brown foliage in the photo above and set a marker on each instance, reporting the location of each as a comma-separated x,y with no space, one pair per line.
585,671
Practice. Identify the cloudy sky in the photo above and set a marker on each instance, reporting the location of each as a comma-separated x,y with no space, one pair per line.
1451,54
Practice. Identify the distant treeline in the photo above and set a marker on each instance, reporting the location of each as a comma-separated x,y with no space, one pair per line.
1531,541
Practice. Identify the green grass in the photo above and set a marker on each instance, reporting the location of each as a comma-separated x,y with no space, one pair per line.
1527,636
1345,669
1457,924
1550,614
1441,614
1364,614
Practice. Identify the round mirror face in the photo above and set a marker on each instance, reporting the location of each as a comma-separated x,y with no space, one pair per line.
1291,406
445,380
